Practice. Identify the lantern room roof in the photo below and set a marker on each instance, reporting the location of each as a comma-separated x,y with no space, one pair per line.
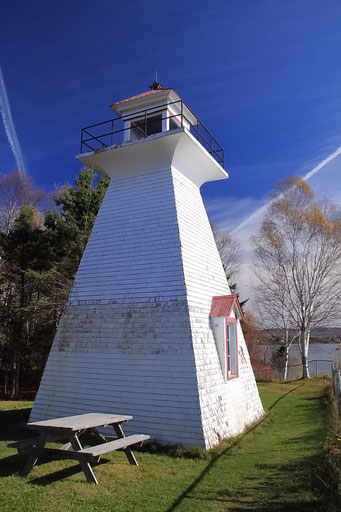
224,304
157,91
157,96
147,93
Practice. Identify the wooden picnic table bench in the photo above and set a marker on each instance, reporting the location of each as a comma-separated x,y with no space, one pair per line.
71,428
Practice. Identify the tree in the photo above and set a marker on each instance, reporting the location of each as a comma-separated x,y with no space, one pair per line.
254,337
22,253
39,258
70,226
271,306
298,260
16,190
230,253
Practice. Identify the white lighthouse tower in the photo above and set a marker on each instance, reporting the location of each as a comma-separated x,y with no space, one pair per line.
150,328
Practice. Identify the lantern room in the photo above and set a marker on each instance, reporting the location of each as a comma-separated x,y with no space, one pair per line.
158,110
150,114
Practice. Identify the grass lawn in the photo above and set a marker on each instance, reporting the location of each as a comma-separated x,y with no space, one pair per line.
269,469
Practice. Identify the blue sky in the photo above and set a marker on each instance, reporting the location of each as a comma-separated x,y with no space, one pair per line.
263,76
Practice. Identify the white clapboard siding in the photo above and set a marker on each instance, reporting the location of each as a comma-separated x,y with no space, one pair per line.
135,336
124,340
134,250
226,407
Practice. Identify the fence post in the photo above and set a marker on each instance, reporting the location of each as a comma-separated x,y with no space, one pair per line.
336,374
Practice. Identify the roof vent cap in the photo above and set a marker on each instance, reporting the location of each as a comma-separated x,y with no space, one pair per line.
156,86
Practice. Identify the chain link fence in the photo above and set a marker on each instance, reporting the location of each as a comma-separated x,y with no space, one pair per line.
316,367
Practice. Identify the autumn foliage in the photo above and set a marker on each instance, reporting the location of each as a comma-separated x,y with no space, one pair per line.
254,338
298,262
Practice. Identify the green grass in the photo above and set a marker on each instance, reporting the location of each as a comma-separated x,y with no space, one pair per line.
272,468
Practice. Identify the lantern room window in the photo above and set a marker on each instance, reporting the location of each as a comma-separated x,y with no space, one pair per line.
145,126
174,123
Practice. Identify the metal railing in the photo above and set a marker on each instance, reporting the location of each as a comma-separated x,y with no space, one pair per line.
112,132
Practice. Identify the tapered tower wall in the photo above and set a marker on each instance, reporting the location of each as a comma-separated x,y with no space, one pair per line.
226,407
124,341
135,337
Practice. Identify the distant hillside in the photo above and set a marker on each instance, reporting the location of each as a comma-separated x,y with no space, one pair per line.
326,335
327,331
318,335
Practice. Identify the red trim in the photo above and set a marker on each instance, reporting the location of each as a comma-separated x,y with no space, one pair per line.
222,305
147,93
172,115
228,376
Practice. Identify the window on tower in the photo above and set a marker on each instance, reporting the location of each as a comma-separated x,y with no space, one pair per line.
143,127
174,123
225,314
231,348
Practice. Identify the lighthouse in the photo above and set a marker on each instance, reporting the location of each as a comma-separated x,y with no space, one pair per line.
151,328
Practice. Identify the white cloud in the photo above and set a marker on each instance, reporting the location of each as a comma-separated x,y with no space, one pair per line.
228,212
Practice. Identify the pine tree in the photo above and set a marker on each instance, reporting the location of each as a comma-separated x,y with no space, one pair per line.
39,260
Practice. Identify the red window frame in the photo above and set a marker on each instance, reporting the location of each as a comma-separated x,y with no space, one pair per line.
228,373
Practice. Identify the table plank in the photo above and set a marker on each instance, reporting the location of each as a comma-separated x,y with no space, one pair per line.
80,421
118,444
57,453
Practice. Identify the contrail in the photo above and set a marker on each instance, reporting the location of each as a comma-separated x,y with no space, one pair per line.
307,176
322,164
7,119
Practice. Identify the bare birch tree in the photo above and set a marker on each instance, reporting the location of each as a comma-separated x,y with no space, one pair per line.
298,261
230,253
271,308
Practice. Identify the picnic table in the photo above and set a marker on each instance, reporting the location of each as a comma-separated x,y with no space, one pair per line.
71,428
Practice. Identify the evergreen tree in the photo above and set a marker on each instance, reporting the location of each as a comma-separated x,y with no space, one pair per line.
39,259
23,258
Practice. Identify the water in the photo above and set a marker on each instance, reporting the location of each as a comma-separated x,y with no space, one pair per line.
321,356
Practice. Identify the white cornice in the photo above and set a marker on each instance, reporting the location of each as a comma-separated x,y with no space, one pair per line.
177,148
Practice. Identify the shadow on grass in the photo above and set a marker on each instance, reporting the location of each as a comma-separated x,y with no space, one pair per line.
13,425
11,465
245,505
267,495
278,507
284,395
13,428
56,476
187,493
